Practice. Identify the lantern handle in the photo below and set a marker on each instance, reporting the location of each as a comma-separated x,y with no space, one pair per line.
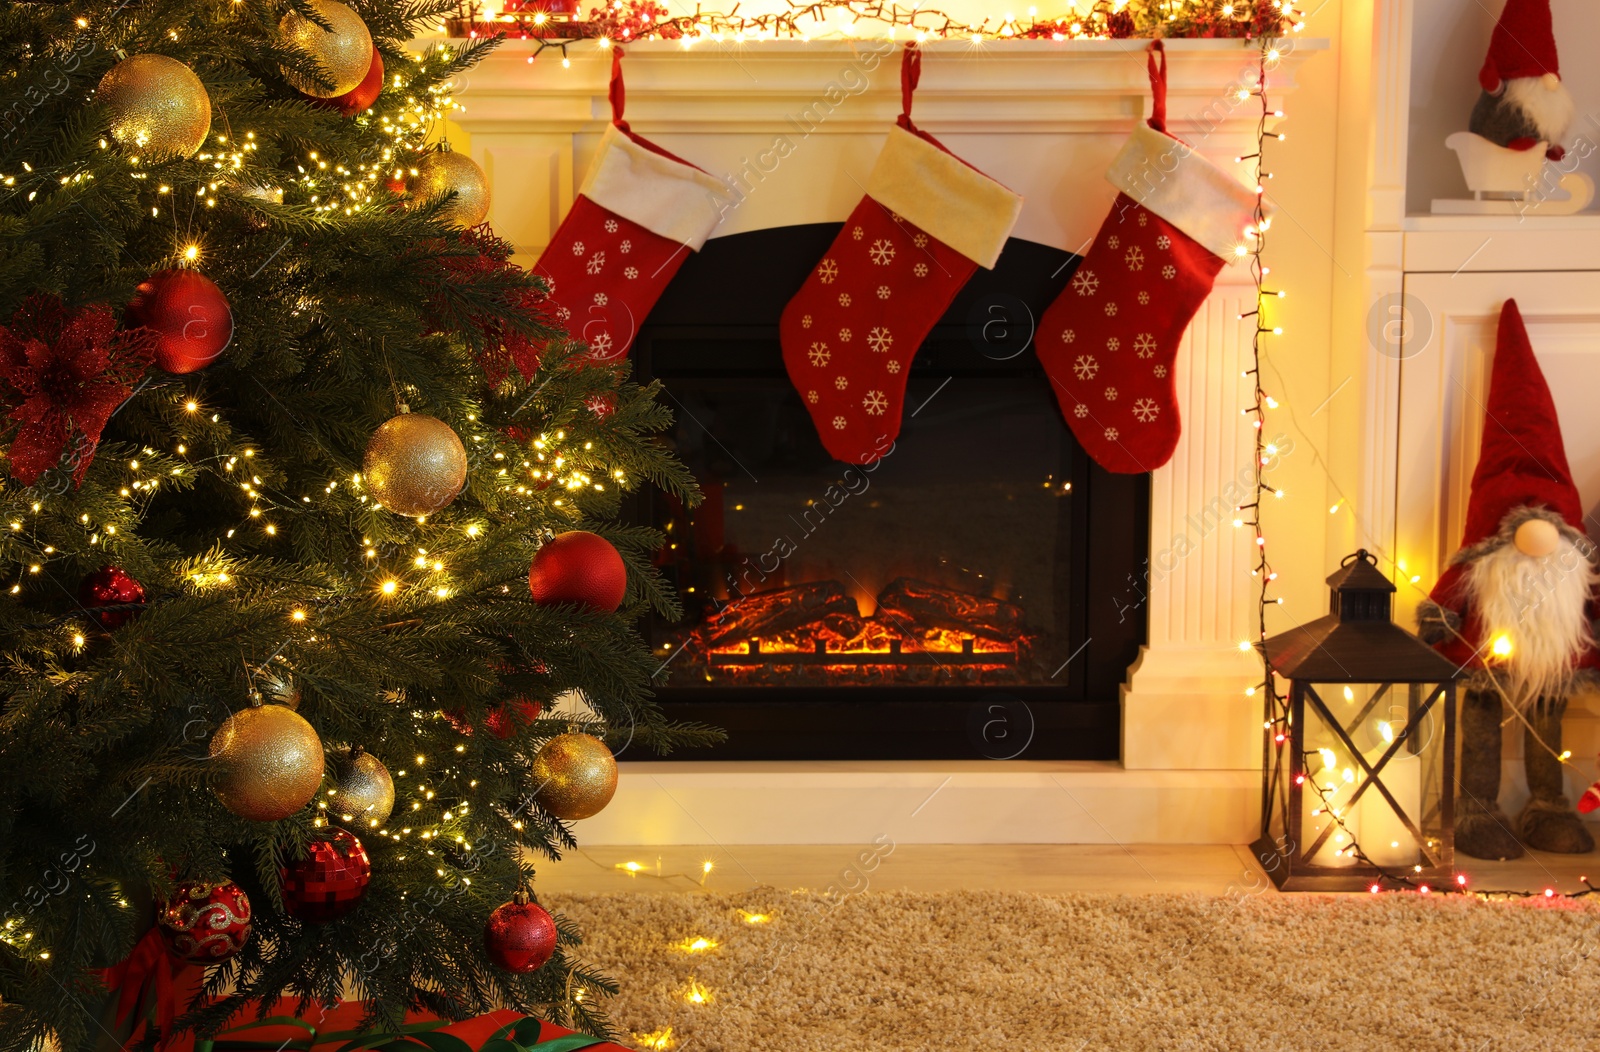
1360,553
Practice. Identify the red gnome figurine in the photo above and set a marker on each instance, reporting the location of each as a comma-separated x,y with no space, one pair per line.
1515,607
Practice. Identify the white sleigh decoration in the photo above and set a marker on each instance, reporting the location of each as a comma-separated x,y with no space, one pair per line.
1518,181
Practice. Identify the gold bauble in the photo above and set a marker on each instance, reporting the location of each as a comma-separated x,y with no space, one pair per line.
271,760
442,171
344,54
362,793
575,774
415,464
158,106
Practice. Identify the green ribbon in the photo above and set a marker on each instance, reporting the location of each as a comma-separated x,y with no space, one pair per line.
521,1035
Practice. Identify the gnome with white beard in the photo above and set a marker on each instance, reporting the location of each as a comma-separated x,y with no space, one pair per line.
1515,606
1524,103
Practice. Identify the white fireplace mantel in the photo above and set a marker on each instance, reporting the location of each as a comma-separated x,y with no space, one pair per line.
793,128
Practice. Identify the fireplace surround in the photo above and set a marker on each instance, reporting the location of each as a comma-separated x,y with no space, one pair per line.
1045,119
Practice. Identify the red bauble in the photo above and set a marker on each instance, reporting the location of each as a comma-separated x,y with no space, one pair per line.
503,720
111,586
189,315
205,922
520,935
578,567
359,98
329,881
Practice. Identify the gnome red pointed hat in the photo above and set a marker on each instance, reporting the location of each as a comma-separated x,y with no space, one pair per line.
1522,460
1523,45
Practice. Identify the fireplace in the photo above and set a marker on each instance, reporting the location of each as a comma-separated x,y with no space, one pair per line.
968,596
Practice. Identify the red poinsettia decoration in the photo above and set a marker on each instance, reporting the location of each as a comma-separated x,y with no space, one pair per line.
503,349
64,372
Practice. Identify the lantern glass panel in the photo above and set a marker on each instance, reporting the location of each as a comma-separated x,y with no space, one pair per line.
1372,754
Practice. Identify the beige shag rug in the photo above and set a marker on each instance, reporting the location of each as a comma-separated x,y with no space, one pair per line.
909,972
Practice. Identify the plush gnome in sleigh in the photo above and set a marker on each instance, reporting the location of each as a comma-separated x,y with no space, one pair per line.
1515,606
1523,103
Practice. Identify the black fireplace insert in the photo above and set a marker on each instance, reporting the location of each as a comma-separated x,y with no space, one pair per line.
966,597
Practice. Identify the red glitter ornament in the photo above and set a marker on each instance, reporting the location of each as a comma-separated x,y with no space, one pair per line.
111,586
503,720
329,881
205,922
361,97
578,567
520,935
189,314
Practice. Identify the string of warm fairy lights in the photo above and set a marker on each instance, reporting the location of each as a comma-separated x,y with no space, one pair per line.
623,21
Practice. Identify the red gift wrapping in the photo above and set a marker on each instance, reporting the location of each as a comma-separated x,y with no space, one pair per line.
332,1029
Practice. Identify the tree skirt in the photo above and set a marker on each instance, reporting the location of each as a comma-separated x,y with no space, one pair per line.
891,971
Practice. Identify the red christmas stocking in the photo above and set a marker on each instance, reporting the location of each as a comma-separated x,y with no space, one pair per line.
927,222
1109,340
639,214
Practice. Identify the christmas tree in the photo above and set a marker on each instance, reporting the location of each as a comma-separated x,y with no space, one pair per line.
285,429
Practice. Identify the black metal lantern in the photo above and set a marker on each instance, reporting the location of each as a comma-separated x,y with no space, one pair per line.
1358,776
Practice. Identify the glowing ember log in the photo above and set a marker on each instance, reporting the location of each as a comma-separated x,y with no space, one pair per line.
816,605
912,602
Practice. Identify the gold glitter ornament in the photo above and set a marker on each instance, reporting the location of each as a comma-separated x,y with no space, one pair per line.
415,464
440,172
576,776
345,54
362,793
271,760
158,106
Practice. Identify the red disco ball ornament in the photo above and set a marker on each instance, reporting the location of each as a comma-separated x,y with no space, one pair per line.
361,97
189,315
111,586
329,881
205,922
520,935
578,567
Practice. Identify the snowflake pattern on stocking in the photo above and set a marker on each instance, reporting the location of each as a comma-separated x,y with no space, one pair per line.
880,339
1113,344
1080,410
827,271
611,226
841,382
844,299
819,354
875,403
601,299
882,252
596,263
844,335
630,272
1145,345
1084,283
1068,335
893,366
1145,410
813,397
1085,367
920,270
626,246
1134,258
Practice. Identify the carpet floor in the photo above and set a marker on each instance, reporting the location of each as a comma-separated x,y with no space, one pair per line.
909,972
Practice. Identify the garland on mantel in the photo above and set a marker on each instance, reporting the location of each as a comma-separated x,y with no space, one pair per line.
553,23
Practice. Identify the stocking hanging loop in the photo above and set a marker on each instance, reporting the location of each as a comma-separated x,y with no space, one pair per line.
1158,86
619,95
910,74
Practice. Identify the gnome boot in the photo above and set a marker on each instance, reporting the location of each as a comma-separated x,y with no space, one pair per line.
1549,822
1482,829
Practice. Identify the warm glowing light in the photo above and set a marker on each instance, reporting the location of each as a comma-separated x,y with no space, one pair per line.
298,615
1349,695
191,253
1501,647
754,918
698,944
696,993
388,587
